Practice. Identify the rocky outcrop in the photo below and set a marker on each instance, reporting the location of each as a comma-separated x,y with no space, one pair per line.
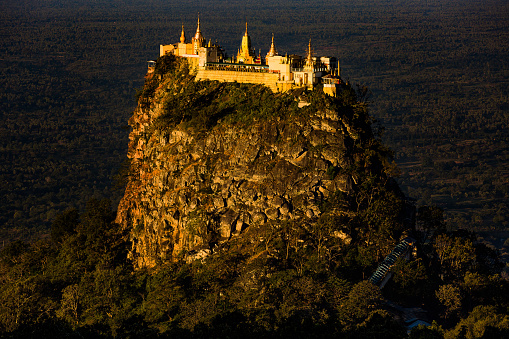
191,188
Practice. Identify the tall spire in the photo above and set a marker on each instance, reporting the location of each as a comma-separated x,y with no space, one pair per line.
246,52
198,32
182,35
198,40
272,50
310,53
309,60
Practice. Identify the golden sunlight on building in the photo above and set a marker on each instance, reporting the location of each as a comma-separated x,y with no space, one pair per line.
280,73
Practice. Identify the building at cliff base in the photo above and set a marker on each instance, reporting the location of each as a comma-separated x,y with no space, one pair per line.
279,73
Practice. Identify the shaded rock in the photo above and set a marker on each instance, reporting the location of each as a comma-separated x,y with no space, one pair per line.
190,184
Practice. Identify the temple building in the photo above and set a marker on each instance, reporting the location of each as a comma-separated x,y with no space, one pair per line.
198,52
280,73
246,54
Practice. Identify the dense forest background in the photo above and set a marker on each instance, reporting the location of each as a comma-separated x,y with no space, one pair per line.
438,71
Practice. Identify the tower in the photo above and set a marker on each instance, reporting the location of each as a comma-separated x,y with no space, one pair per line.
309,65
198,40
246,53
272,51
182,36
246,43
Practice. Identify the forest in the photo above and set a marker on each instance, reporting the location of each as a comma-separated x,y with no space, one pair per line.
78,284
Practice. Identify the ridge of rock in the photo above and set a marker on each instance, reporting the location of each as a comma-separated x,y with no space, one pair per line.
209,160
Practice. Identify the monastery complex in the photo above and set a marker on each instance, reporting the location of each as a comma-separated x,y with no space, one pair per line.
279,73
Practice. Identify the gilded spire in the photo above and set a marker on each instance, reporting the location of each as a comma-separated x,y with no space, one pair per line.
310,54
183,36
272,50
198,40
198,35
246,52
309,60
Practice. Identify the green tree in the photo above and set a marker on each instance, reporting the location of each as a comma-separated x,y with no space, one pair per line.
482,322
64,225
70,307
434,331
410,283
450,297
24,290
362,300
455,255
379,324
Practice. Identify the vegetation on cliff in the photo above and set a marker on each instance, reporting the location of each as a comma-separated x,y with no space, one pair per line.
210,160
202,103
286,277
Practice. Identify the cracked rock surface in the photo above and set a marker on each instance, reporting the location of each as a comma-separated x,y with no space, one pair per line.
190,190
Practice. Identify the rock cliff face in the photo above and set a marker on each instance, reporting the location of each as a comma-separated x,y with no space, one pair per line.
210,160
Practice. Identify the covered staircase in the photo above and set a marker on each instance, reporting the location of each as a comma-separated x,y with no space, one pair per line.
382,273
